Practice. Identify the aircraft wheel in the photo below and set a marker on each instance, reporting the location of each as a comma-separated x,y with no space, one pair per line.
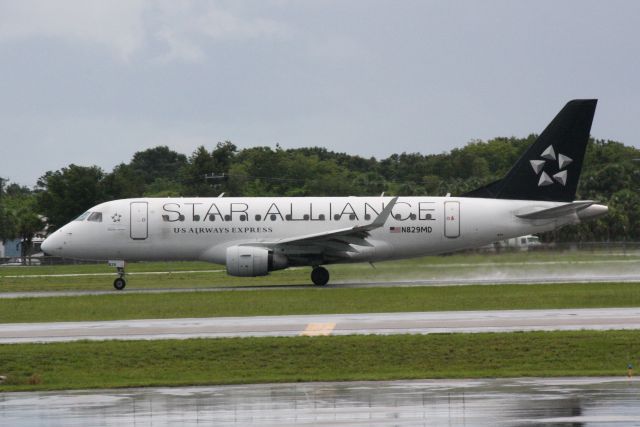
119,283
319,276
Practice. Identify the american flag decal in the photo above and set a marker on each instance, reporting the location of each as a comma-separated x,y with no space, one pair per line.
394,229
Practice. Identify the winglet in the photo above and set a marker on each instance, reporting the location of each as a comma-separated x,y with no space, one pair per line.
381,218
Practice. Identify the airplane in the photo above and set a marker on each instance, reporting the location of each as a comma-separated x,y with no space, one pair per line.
253,236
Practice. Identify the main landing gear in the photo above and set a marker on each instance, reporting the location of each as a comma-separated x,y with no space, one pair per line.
120,282
319,276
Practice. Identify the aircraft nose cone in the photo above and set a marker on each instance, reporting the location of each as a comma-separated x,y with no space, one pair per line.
52,244
46,245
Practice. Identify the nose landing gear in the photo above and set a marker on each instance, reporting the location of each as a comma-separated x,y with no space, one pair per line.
319,276
120,282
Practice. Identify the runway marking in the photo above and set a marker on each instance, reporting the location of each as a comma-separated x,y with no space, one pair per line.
318,329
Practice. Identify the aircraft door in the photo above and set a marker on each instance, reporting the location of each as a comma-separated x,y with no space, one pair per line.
139,224
452,219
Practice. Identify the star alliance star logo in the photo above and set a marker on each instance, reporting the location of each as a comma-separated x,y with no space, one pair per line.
116,217
538,166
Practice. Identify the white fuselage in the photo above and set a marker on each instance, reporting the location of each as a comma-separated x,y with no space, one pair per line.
203,228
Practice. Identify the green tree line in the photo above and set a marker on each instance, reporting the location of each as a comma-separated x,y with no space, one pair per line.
610,175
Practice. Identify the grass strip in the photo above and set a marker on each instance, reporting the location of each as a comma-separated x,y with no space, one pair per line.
318,301
109,364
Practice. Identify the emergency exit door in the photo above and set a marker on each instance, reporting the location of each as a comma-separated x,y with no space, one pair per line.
139,223
452,219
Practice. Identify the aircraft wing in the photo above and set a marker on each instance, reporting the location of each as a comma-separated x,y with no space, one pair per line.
337,241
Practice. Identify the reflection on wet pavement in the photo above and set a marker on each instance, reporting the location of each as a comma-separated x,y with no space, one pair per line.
524,401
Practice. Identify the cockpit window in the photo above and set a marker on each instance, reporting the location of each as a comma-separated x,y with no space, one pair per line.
95,217
83,216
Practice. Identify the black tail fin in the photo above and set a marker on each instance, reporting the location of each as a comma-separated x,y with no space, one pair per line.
550,168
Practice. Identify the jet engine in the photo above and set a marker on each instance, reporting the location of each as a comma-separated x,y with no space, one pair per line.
250,261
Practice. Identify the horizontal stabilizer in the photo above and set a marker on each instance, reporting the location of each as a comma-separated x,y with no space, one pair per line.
557,211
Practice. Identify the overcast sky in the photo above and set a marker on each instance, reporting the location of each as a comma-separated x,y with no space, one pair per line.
92,82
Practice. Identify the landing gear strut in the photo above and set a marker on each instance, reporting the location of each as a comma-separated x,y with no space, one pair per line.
319,276
120,282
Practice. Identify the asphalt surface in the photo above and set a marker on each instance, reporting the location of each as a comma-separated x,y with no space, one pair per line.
482,402
326,324
590,278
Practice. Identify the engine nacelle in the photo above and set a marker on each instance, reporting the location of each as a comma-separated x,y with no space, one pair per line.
250,261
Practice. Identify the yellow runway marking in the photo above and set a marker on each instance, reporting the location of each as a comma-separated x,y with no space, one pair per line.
318,329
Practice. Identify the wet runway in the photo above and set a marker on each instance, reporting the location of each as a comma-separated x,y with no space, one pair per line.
327,324
484,402
461,281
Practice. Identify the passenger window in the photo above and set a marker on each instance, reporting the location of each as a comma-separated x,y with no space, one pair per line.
82,217
95,217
